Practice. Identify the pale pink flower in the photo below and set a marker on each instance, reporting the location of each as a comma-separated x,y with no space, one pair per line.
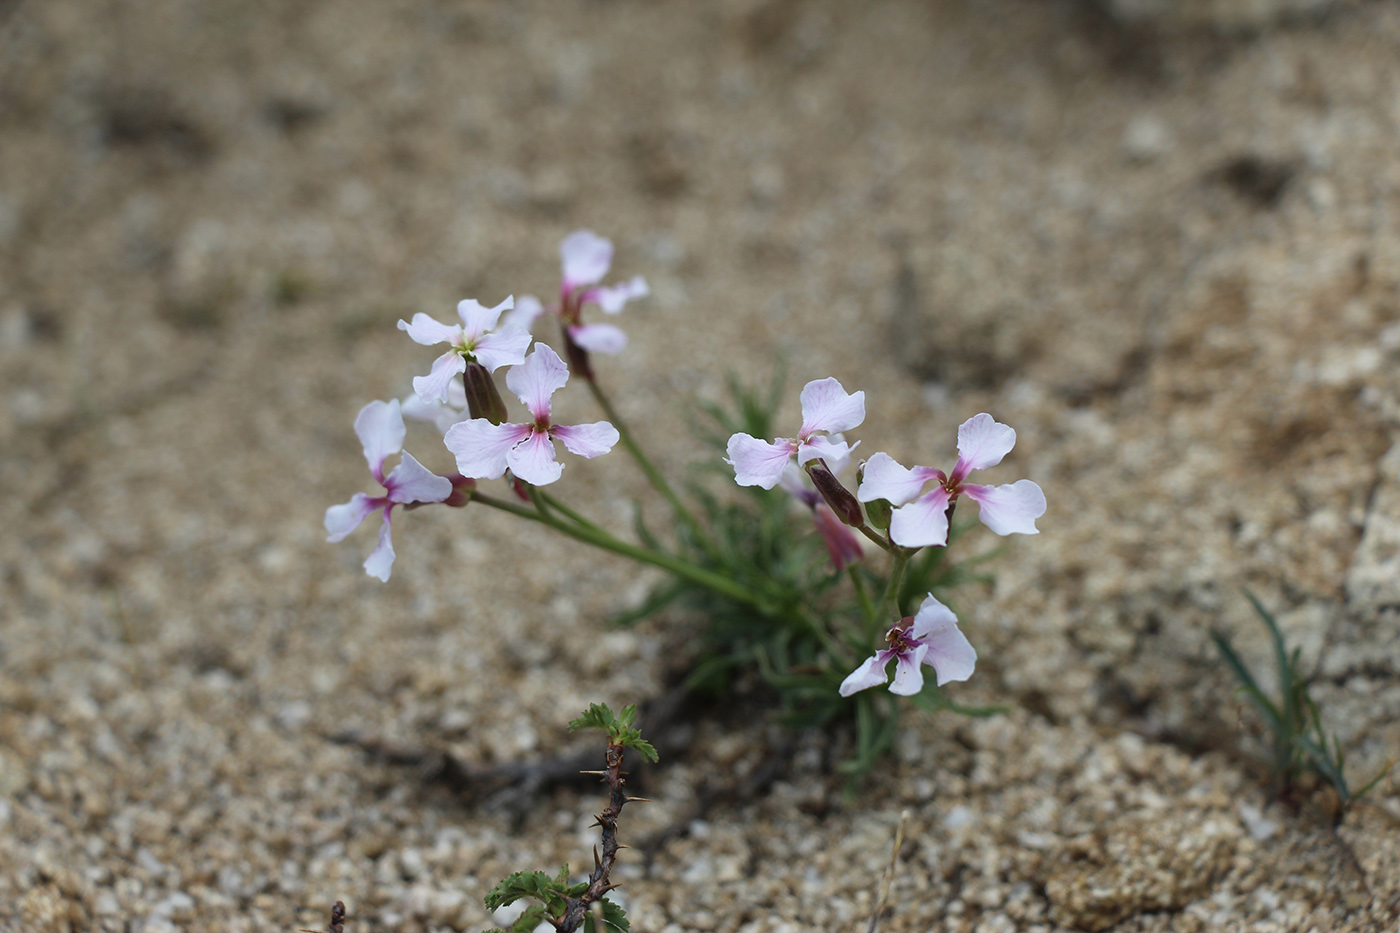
381,431
826,409
982,443
471,340
585,258
929,637
485,450
441,415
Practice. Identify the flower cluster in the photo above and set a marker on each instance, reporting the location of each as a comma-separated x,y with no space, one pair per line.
897,504
459,396
752,568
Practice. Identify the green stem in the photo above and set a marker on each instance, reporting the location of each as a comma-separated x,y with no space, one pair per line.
875,536
649,469
901,561
867,608
592,534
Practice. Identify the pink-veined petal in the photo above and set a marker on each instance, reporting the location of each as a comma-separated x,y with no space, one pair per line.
381,559
923,522
756,462
837,462
1009,509
346,517
824,448
379,426
481,447
535,380
428,331
908,676
932,615
477,319
586,257
526,310
828,407
599,338
413,482
613,298
982,442
586,440
434,387
506,347
793,480
871,673
884,478
533,461
950,654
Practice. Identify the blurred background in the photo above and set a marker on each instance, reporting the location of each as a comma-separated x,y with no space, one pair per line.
1158,237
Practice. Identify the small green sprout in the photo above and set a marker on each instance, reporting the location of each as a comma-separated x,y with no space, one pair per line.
1299,744
621,729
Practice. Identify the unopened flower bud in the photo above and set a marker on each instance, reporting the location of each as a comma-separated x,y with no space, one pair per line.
841,543
577,356
842,502
462,489
483,400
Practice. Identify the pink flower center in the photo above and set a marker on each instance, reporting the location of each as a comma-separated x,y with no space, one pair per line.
899,638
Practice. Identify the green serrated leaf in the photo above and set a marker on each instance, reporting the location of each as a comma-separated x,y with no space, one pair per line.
597,716
614,918
647,750
527,922
512,888
628,718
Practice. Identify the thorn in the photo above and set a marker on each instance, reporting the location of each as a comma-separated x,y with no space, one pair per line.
593,772
640,800
621,846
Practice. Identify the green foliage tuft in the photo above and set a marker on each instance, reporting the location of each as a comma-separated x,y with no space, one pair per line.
621,728
1299,744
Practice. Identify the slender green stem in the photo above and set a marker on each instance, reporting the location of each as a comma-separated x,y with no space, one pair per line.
575,517
867,608
649,469
592,534
875,536
897,567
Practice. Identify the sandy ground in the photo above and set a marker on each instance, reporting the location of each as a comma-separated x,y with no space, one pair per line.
1167,255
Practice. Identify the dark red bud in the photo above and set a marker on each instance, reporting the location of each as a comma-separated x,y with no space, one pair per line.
462,489
577,357
837,496
518,486
483,400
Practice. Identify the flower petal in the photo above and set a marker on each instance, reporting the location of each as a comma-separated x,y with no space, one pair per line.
599,338
506,347
526,310
381,559
884,478
932,615
1008,509
428,331
346,517
413,482
950,654
434,386
871,673
828,407
613,298
536,379
756,462
481,447
586,440
923,522
586,257
982,442
477,319
533,461
379,426
824,448
442,416
908,676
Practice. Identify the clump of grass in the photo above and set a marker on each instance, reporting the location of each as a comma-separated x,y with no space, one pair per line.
1302,752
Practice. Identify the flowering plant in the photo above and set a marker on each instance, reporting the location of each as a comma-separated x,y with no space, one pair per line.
774,602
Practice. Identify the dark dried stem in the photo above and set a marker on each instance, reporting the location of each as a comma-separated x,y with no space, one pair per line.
598,883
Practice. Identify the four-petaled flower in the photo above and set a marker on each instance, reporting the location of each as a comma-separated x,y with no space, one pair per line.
929,637
982,442
826,409
585,257
485,450
470,340
380,429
